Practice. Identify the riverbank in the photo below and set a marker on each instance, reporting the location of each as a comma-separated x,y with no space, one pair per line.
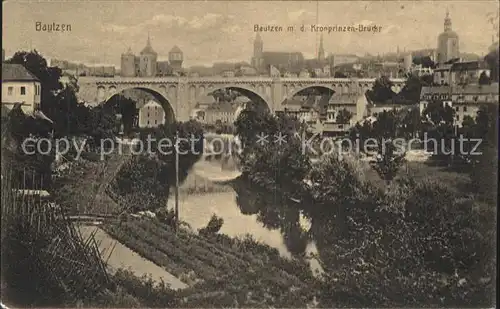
118,256
217,263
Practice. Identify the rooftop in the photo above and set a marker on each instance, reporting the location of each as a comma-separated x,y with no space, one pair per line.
16,72
476,89
293,102
469,89
345,98
175,49
470,65
151,103
148,49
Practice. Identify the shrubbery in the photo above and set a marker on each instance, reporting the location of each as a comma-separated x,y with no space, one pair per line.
416,243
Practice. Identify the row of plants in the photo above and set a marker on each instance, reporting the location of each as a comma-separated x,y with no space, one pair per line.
215,252
216,262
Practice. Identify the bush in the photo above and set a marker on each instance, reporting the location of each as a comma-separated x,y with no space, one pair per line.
213,226
407,248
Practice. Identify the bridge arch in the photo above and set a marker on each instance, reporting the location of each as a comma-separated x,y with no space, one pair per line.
163,98
313,86
252,93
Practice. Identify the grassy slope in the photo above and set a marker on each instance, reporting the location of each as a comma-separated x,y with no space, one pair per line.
82,189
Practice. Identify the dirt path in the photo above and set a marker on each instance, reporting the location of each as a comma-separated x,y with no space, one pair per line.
123,257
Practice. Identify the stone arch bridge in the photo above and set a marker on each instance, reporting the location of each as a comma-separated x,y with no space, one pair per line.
183,93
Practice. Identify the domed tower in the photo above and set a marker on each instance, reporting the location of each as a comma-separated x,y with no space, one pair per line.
128,64
147,60
447,48
258,48
175,57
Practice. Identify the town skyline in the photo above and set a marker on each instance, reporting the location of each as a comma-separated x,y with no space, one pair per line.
208,33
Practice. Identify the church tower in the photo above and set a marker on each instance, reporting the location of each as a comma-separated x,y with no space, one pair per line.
447,48
321,51
147,60
258,49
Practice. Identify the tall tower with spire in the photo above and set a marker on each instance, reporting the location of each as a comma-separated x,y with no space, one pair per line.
448,43
147,60
258,50
321,50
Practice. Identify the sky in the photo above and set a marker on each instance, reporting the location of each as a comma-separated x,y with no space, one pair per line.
216,31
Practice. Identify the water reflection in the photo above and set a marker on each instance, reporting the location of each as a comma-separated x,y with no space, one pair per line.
274,213
247,209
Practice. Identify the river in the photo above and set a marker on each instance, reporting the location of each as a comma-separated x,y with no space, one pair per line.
238,208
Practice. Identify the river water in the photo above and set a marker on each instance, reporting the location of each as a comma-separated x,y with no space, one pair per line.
197,208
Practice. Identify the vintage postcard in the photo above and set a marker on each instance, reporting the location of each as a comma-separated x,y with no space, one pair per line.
249,154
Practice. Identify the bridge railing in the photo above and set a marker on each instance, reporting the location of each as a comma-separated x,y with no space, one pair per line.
217,79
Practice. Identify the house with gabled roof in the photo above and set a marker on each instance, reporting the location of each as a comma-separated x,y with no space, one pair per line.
20,86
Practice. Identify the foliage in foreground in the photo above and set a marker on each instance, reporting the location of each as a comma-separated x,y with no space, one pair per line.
415,244
45,261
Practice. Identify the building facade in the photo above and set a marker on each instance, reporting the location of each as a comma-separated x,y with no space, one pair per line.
464,100
19,86
223,112
460,73
151,115
467,72
353,103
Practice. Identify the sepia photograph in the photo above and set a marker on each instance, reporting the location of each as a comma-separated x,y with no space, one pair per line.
249,154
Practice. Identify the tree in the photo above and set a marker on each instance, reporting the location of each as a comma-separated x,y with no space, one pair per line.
484,79
387,125
253,121
70,117
410,94
388,161
344,116
412,122
28,170
493,62
439,112
339,75
142,184
213,226
127,108
381,90
468,125
225,95
102,124
484,171
425,61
